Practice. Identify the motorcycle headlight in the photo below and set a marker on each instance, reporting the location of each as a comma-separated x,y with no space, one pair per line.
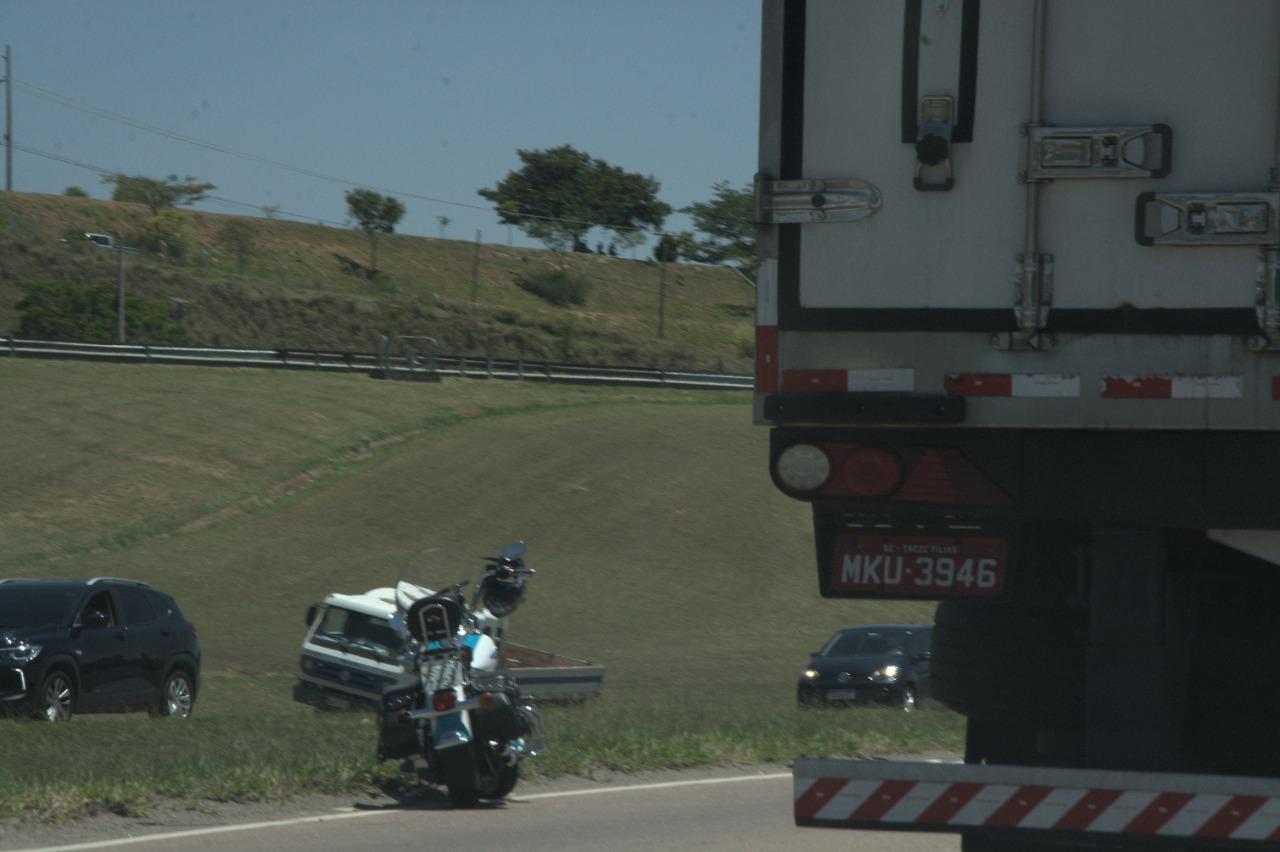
810,674
886,673
20,654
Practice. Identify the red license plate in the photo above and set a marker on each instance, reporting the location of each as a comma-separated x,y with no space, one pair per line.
928,566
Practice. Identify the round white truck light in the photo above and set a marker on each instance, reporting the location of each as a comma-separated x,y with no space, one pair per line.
803,467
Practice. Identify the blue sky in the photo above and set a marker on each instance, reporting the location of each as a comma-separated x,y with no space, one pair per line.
431,97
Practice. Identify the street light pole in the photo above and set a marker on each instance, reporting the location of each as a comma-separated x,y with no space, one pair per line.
8,123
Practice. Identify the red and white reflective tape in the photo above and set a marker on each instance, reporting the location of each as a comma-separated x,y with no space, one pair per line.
956,797
1173,387
767,327
866,380
1041,385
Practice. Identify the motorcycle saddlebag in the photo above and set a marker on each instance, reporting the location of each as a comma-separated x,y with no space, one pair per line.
398,739
503,721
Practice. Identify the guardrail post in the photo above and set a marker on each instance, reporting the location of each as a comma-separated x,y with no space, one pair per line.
520,368
462,365
546,368
146,350
488,365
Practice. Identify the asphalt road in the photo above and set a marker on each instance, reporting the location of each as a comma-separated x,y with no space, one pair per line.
744,812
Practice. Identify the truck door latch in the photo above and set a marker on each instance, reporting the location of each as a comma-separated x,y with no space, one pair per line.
1207,219
1100,152
933,143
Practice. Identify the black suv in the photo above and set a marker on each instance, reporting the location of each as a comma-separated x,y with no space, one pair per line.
94,646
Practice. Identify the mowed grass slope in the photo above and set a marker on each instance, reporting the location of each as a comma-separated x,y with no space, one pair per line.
662,549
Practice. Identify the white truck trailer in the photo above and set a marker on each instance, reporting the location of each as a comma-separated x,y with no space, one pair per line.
1018,345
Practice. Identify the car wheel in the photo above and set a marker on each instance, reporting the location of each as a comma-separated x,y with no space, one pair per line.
57,699
909,701
178,696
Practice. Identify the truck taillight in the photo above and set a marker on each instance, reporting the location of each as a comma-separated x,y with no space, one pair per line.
871,472
939,475
444,699
803,467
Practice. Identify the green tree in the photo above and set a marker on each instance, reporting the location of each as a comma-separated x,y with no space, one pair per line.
167,234
75,192
559,194
444,224
62,310
375,214
157,194
237,237
725,223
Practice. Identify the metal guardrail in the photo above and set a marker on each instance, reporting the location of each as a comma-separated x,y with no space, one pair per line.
384,366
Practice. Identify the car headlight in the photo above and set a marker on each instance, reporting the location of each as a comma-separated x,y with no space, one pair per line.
20,654
886,673
810,674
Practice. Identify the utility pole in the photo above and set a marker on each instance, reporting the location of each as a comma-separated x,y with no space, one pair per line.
475,268
662,299
8,123
119,291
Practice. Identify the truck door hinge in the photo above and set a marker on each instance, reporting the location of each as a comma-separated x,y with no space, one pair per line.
1033,282
1267,302
1099,152
783,202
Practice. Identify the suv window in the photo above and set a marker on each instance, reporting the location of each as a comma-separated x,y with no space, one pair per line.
136,605
101,602
162,603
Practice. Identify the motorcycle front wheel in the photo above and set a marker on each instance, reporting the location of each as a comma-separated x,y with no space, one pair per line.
461,778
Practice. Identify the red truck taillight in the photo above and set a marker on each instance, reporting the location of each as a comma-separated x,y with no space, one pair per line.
901,475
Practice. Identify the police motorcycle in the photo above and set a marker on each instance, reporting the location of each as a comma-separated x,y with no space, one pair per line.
463,725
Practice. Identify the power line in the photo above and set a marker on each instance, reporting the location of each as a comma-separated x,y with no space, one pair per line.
100,170
72,103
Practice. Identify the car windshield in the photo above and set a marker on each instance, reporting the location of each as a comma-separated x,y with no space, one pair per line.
358,632
855,643
36,606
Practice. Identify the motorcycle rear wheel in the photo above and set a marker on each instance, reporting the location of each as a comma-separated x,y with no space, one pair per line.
502,782
461,778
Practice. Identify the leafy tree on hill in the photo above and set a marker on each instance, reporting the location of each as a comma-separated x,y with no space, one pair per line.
157,194
374,214
75,192
167,234
726,223
559,194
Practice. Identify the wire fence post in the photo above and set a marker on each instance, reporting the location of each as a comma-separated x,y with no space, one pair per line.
475,268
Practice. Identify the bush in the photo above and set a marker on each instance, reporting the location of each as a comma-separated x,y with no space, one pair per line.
556,286
86,313
75,192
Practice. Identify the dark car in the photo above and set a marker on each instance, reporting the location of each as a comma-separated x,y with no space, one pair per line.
872,664
94,646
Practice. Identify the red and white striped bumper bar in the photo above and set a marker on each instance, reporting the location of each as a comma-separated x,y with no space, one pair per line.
886,795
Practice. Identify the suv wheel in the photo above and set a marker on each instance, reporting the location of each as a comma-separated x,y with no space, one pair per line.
57,697
178,696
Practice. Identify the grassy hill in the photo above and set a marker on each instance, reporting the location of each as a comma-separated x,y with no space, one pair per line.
293,291
649,514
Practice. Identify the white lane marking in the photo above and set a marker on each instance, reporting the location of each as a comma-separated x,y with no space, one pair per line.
658,786
353,814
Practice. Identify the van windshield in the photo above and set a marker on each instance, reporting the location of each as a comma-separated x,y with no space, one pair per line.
358,633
